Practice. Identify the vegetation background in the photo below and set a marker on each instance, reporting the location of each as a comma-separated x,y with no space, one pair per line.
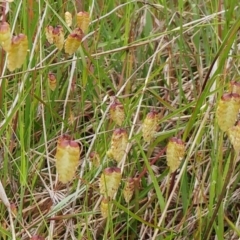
176,57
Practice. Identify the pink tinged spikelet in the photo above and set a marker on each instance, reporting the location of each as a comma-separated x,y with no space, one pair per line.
13,208
149,126
104,207
52,81
5,36
227,110
73,41
58,37
234,136
49,34
128,190
109,181
18,52
175,153
117,113
67,158
83,20
119,143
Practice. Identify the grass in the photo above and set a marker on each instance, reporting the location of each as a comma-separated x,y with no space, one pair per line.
176,57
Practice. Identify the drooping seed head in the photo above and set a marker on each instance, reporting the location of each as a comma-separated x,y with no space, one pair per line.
73,41
58,36
5,36
150,125
128,190
234,136
68,18
49,34
227,110
18,52
52,81
175,153
109,181
13,208
83,20
67,158
104,207
117,113
119,143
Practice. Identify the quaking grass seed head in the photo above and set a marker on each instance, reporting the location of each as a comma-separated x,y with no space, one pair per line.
5,36
175,153
68,18
150,125
227,110
18,52
73,41
104,207
13,208
128,190
83,20
117,112
234,136
119,143
49,34
67,158
52,81
58,37
110,181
